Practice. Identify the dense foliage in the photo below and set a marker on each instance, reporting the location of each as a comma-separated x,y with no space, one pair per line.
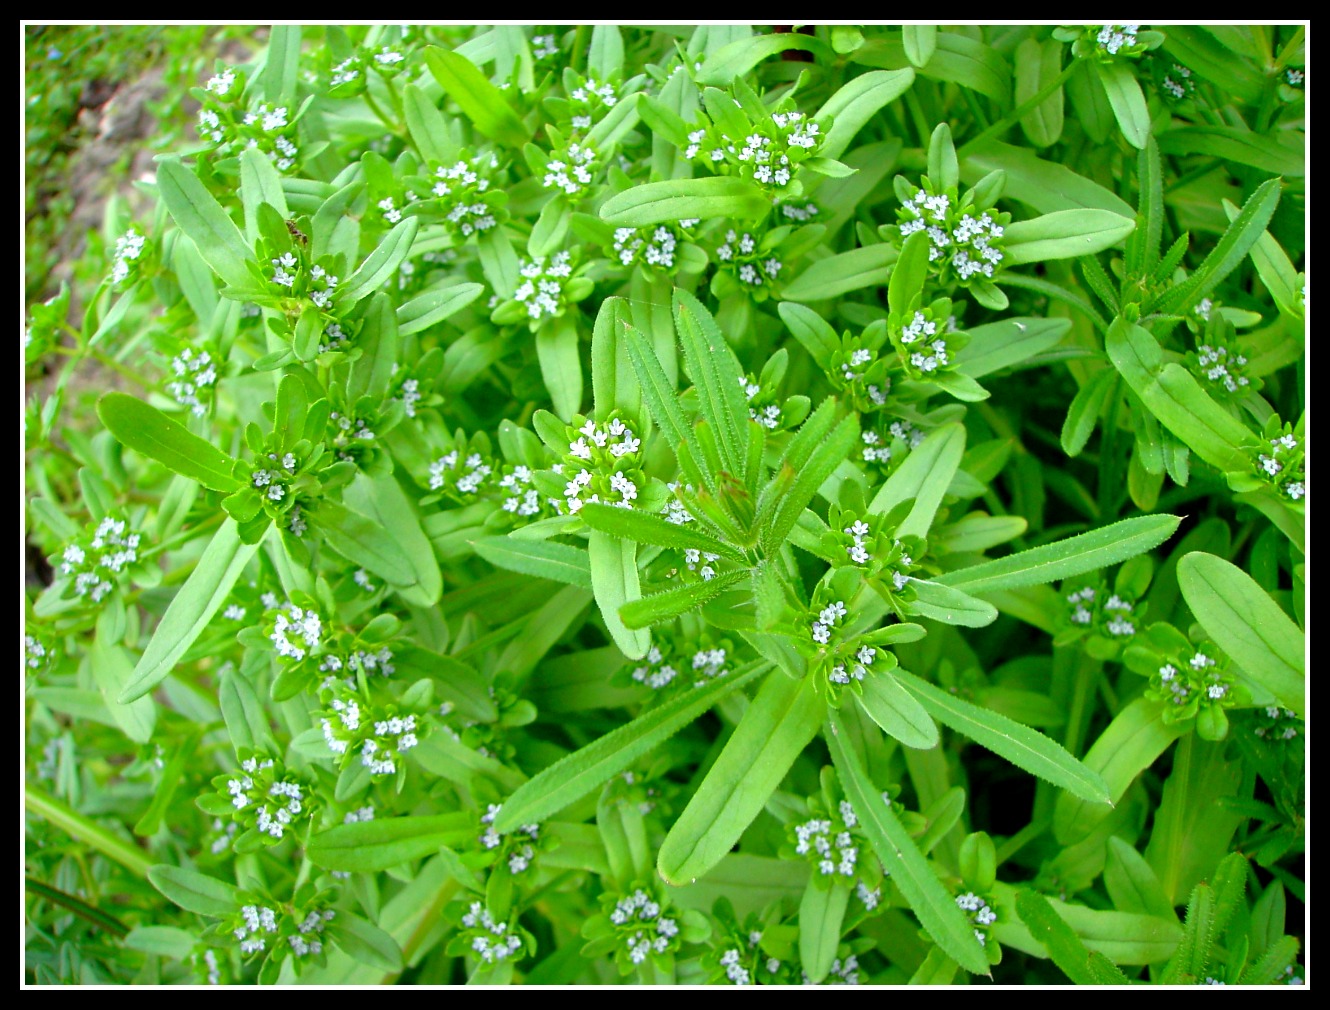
718,504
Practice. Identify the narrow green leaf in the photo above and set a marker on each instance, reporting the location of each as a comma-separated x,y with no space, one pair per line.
1061,941
480,101
1269,152
541,558
658,393
811,330
931,902
1064,234
140,426
775,729
1021,745
715,372
920,42
829,454
1086,407
435,305
821,916
895,710
1130,744
193,607
659,607
369,846
201,217
260,183
383,500
281,65
364,542
1086,552
950,606
194,891
380,265
856,103
576,775
849,271
924,476
734,59
1046,186
614,580
1248,625
1127,99
1005,344
427,126
561,365
644,528
710,196
1132,884
366,942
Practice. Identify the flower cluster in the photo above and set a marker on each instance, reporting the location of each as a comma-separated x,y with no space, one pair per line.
588,103
1221,367
654,247
828,618
98,559
979,912
491,941
1278,724
544,46
352,725
867,542
195,380
831,843
521,497
642,928
1174,81
1094,608
924,339
460,482
349,436
857,370
1191,679
517,848
291,276
305,941
263,798
672,665
541,289
571,170
748,259
768,156
127,255
964,242
253,927
460,193
901,436
263,128
294,631
1284,465
36,655
762,407
602,465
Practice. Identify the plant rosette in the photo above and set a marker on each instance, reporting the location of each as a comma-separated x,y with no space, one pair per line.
546,288
758,951
640,926
264,799
601,462
1279,463
965,233
838,657
464,195
744,139
859,371
1191,677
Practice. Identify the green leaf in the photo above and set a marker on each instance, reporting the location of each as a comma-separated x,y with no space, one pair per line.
576,775
821,916
775,729
1130,744
1242,234
1037,66
777,514
1176,399
281,65
201,217
901,858
811,330
733,60
1132,884
541,558
480,101
645,528
434,305
194,891
1086,552
711,196
260,183
994,346
561,365
380,265
1086,407
164,941
613,384
1248,625
1022,746
369,846
366,942
658,394
895,710
842,273
427,126
1046,186
362,541
112,670
716,374
193,607
660,607
1268,152
382,500
924,476
920,42
140,426
1063,945
614,580
948,605
1127,99
1064,234
856,103
246,719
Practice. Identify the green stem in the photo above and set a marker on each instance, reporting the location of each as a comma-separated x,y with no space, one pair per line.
82,829
1026,107
1021,839
1087,671
80,908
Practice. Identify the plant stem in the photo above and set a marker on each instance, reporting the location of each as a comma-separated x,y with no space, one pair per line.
82,829
1027,106
80,908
